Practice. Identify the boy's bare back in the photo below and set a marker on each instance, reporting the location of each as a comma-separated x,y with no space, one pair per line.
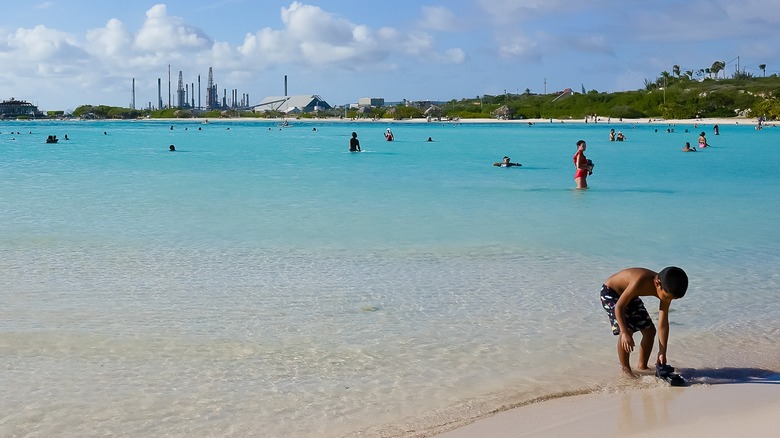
637,281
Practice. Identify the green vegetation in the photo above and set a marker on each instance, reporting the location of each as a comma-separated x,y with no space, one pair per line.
668,97
677,95
106,112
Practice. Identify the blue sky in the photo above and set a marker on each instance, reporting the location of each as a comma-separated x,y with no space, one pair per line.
61,54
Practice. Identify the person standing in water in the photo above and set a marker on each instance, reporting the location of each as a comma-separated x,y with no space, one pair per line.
702,141
583,166
354,143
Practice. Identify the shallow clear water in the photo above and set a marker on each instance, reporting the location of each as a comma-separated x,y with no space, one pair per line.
266,281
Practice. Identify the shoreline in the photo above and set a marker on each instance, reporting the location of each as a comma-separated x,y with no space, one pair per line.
293,120
732,409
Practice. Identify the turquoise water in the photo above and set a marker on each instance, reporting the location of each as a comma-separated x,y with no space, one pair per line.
265,280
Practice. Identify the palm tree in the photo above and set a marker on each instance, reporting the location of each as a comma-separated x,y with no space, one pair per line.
676,70
718,66
763,68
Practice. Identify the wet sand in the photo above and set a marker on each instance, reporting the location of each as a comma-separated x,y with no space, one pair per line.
722,410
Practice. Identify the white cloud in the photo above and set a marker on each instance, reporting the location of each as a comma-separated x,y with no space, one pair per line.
41,53
113,40
316,38
105,58
438,18
513,11
161,32
454,56
519,46
591,44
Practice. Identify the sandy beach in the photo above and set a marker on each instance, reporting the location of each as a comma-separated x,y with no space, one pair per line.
724,410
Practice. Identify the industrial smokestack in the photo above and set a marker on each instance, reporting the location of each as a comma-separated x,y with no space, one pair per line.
159,93
285,85
132,100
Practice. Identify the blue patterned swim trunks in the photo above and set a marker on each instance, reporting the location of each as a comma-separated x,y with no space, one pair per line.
637,317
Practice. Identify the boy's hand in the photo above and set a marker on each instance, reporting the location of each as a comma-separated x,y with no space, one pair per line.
627,342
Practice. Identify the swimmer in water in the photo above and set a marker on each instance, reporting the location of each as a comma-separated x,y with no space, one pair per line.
507,162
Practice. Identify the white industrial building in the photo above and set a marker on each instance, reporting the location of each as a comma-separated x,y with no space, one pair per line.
373,102
292,104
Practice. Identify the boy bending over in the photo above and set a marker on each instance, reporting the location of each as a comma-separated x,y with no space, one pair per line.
620,298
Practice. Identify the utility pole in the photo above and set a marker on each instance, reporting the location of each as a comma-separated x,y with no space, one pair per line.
664,90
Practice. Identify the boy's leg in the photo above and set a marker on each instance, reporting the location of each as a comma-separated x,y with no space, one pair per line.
623,357
646,346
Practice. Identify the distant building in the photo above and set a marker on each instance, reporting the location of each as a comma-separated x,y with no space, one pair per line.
371,101
13,108
292,104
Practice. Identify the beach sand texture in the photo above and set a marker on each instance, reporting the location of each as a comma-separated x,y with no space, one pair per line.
746,409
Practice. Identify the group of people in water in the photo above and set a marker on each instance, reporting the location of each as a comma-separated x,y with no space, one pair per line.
616,137
584,167
702,142
354,143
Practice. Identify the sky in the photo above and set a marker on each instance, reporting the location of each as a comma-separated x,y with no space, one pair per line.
60,54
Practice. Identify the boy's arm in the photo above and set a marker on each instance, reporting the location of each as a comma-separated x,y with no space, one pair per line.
663,330
626,338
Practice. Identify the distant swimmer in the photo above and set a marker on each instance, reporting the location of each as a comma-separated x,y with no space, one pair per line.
172,148
171,127
620,136
430,139
66,137
507,162
389,135
716,129
688,147
612,134
354,143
